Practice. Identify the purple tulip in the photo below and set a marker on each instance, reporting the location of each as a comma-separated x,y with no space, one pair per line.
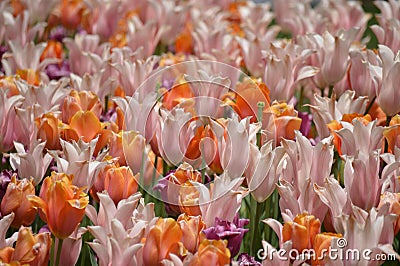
231,231
5,179
245,259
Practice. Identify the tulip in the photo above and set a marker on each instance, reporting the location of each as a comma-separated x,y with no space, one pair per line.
30,163
233,232
15,200
212,252
191,227
30,249
54,49
261,173
393,200
80,101
60,201
30,76
301,231
48,131
178,198
178,94
71,13
120,183
322,244
281,121
163,239
7,83
392,133
387,91
83,124
248,94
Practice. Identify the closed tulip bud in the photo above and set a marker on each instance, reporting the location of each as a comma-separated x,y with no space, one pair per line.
62,204
15,200
301,231
191,226
48,131
120,183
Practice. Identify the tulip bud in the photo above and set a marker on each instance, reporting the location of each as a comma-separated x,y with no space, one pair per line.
120,183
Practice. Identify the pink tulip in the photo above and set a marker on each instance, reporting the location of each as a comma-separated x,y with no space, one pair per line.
262,170
325,109
31,163
387,91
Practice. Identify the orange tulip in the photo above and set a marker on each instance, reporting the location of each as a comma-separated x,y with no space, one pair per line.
392,134
184,42
120,183
80,101
62,204
8,83
30,76
48,130
98,184
177,94
283,118
163,239
193,151
301,231
393,199
15,200
189,199
212,252
83,124
322,243
33,250
71,13
191,226
54,49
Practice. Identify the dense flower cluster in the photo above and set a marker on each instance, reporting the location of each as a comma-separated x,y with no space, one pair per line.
184,132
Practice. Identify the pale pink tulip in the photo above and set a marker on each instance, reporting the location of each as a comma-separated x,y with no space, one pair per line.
262,170
77,159
325,109
30,163
223,200
5,223
387,91
285,68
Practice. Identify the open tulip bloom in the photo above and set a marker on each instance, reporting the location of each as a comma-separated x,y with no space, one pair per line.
184,132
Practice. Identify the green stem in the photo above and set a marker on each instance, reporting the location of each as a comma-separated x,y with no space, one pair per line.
106,104
371,103
330,91
388,118
255,222
59,248
154,171
322,92
301,99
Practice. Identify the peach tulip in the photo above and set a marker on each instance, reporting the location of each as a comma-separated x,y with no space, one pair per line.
191,226
30,249
322,243
15,200
163,239
83,124
80,101
120,183
392,133
62,204
301,231
212,252
48,131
